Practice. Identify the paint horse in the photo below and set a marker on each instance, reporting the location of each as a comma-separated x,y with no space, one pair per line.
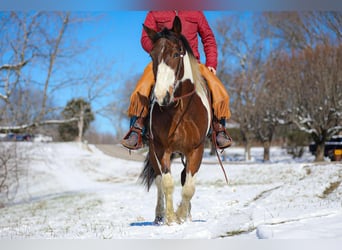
179,120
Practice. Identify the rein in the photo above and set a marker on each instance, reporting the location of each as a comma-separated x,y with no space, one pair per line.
213,141
179,98
221,164
185,95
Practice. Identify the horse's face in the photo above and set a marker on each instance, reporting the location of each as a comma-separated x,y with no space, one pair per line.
167,57
168,67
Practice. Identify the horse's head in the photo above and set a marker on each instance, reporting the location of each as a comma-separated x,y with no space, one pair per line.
170,61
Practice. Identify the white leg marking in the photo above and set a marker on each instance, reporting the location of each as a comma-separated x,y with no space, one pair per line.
189,187
160,209
188,190
168,187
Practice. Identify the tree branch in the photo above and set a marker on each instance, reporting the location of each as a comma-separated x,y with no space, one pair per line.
14,66
17,129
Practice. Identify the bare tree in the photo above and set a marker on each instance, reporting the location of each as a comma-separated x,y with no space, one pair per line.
313,84
299,30
267,83
16,53
40,58
308,68
9,172
244,49
116,111
51,56
100,86
30,44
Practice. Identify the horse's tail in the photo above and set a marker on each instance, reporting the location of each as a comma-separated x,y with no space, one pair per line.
148,174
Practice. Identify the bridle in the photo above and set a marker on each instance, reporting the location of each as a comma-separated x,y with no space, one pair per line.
179,67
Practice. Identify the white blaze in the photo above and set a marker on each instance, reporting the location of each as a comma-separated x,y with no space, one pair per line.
164,80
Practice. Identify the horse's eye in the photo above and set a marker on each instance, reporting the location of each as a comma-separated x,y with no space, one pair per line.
175,55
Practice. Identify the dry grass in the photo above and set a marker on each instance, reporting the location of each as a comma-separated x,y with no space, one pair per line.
331,188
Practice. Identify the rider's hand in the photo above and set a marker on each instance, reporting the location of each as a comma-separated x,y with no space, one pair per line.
211,69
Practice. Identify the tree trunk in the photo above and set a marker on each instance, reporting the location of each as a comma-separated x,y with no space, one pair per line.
80,125
52,60
267,146
248,156
80,130
319,152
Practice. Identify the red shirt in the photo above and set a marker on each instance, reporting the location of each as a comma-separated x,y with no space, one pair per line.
193,23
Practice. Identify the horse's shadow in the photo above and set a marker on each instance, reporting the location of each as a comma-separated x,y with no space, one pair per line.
143,224
152,223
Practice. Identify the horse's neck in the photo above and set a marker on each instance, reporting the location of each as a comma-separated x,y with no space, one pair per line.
188,69
193,79
184,88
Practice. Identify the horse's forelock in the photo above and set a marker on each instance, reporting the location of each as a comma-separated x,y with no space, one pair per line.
174,37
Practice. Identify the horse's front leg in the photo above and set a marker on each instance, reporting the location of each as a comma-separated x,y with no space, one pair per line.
188,190
160,208
168,187
188,181
165,190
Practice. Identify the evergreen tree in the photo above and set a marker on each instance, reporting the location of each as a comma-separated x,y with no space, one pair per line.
81,110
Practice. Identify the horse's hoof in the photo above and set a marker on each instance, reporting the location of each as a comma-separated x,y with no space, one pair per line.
182,220
172,223
159,220
172,220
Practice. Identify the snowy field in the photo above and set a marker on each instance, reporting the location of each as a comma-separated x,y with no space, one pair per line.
70,190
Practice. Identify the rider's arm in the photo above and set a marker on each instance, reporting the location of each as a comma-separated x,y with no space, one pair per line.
208,41
150,22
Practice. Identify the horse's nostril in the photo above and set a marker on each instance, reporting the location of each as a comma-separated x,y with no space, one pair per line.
166,99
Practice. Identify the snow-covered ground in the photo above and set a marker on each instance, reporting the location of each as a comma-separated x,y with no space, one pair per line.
70,190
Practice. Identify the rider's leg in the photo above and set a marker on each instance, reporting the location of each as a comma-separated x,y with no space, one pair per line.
138,109
223,140
133,139
220,105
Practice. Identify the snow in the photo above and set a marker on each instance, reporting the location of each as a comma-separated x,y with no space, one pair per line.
73,190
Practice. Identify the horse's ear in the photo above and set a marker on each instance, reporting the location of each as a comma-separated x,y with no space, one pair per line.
177,25
152,34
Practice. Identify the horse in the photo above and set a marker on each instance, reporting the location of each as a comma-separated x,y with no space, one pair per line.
179,121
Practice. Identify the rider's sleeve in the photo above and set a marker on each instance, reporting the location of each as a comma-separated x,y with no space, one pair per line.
208,41
145,40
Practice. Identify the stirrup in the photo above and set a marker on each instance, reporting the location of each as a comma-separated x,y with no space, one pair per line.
214,141
139,143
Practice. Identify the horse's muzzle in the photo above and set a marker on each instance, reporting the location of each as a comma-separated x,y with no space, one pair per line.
165,101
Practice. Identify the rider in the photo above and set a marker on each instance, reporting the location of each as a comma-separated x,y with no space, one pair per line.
193,22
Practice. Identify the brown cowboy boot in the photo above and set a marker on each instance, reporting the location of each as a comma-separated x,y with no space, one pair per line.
133,139
222,139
